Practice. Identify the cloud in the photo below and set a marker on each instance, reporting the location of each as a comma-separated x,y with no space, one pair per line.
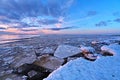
58,29
91,13
28,30
48,21
117,14
33,13
2,28
7,33
5,21
101,23
17,9
117,20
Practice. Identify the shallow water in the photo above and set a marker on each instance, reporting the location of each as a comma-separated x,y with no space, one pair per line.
12,38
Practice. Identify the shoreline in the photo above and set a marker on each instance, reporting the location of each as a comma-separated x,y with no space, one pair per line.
28,53
37,36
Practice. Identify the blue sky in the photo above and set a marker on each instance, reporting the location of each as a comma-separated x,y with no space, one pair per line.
59,17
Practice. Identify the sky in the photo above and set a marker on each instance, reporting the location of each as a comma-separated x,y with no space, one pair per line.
19,17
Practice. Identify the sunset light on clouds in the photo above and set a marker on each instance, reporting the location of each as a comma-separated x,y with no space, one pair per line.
59,17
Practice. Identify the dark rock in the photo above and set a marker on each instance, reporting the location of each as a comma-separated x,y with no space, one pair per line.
90,57
87,49
39,76
24,69
32,73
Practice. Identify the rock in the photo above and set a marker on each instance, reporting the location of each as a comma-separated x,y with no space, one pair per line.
24,69
64,51
90,57
49,62
88,53
39,76
32,73
87,49
95,42
110,49
105,42
48,50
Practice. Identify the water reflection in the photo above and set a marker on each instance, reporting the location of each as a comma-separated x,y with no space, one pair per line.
11,38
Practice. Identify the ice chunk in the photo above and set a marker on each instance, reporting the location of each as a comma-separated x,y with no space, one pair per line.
64,51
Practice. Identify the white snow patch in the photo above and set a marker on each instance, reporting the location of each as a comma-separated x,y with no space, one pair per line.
104,68
112,48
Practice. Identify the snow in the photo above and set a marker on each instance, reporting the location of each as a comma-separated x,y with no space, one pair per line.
104,68
112,48
95,42
87,49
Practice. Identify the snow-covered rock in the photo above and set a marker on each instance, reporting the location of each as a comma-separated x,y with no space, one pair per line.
87,49
95,42
90,57
111,49
64,51
49,62
101,42
104,68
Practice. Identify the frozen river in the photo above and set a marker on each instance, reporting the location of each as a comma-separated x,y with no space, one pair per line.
12,38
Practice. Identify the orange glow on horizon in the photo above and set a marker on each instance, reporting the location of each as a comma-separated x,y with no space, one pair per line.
13,30
49,32
5,37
